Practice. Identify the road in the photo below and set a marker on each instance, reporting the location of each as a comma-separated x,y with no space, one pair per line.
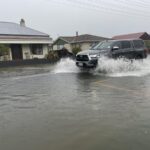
59,107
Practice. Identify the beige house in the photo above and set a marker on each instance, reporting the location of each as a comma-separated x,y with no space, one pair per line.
23,42
84,41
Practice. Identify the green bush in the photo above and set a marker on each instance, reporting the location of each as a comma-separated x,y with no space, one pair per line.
76,50
52,55
4,49
147,43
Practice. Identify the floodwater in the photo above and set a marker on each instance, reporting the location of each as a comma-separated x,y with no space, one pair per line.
59,107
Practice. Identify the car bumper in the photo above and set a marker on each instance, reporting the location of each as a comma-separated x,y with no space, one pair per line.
87,64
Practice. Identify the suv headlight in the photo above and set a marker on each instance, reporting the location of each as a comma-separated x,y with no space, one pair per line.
93,56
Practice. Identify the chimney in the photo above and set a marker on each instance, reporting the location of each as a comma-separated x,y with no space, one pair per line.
77,34
22,23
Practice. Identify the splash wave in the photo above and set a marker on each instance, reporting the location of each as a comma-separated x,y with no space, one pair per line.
66,66
108,67
123,67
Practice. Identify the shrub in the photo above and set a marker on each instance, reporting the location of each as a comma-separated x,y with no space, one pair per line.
147,44
4,49
76,50
52,55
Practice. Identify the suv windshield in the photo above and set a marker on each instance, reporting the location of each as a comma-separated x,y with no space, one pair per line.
105,45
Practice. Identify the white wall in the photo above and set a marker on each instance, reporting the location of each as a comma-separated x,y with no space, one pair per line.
85,46
67,46
55,47
10,54
26,51
27,54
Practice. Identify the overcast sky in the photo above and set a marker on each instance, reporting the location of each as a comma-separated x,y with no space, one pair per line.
64,17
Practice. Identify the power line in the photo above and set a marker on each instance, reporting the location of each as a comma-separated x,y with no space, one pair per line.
102,8
131,3
143,3
97,6
122,6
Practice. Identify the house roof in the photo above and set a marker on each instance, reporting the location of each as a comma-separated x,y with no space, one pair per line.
9,28
16,33
67,39
140,35
82,38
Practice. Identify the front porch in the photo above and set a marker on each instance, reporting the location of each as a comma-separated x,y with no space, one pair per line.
23,52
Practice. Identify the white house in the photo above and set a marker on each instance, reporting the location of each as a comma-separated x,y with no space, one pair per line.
24,42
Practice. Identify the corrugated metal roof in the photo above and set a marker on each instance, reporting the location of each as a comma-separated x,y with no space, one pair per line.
9,28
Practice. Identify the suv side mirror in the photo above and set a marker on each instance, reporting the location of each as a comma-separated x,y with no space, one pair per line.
115,48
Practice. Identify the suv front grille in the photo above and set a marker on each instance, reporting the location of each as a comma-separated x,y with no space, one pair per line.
82,58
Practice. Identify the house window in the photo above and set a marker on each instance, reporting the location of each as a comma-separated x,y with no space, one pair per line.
37,49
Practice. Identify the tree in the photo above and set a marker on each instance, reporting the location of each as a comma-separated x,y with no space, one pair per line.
75,50
4,49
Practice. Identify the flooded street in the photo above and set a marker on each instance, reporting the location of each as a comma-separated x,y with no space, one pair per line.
59,107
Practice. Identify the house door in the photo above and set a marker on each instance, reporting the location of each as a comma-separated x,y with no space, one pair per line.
16,50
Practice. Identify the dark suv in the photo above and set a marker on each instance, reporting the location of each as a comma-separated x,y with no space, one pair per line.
130,49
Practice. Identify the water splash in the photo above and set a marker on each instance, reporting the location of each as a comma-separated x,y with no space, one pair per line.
66,66
108,67
123,67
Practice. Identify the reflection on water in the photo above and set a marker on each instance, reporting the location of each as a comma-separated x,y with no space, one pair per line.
60,107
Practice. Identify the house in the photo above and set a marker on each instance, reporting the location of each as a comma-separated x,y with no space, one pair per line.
84,41
23,42
140,35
